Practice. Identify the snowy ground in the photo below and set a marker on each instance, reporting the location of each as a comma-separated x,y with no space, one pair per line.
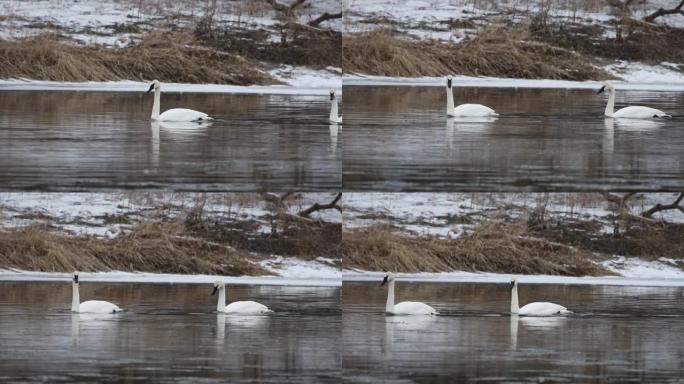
121,22
113,23
455,20
96,213
454,214
442,214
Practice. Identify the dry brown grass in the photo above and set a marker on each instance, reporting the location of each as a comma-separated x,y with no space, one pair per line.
497,51
493,247
150,247
163,55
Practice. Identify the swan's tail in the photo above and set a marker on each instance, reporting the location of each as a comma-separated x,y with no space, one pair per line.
566,312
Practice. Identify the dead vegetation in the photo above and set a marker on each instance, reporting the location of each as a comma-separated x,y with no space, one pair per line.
494,246
497,51
163,247
165,55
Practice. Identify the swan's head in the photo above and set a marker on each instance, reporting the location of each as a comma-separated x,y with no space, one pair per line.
514,283
389,277
217,286
607,88
332,94
449,81
75,277
154,86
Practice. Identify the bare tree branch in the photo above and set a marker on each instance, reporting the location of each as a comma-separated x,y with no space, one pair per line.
664,207
319,207
325,17
662,12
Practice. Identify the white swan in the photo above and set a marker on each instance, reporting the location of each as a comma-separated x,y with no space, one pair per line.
406,307
334,117
633,112
90,306
465,110
238,307
534,309
175,114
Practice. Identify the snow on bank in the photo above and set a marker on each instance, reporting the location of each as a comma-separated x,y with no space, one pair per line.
96,213
640,273
304,82
638,78
291,271
448,214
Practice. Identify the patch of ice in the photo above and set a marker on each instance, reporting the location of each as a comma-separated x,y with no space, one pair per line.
670,84
143,277
644,269
500,278
318,88
294,268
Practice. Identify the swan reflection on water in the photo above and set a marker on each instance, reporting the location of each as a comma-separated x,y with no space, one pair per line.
334,128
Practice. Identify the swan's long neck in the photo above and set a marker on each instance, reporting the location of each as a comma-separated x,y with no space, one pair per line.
333,110
611,104
389,307
75,298
155,106
514,300
221,306
450,101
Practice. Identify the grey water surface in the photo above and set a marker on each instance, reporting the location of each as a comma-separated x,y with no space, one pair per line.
617,334
168,333
66,140
399,139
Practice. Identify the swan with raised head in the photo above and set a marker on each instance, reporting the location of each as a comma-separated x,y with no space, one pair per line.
90,306
334,114
237,307
465,110
175,114
405,307
632,112
534,309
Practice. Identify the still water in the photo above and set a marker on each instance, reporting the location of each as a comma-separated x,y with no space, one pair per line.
67,140
399,139
617,334
168,333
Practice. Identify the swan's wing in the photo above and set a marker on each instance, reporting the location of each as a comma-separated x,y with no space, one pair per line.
413,308
638,112
182,114
542,309
246,307
98,306
473,110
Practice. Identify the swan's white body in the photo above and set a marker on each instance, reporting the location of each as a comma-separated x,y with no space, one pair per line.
90,306
632,112
334,113
175,114
534,309
465,110
405,307
237,307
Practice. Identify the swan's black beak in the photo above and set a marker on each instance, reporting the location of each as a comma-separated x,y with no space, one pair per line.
384,281
512,283
76,279
448,83
151,88
332,96
601,90
214,291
